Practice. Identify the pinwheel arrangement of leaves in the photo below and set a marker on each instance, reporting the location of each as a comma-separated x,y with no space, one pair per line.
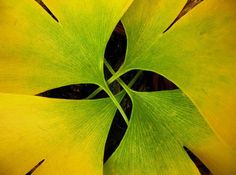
54,43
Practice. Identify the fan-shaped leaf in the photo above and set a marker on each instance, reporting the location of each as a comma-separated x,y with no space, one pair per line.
69,135
161,125
38,54
197,54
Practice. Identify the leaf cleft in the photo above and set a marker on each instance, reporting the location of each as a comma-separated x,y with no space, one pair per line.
199,164
43,5
188,6
35,167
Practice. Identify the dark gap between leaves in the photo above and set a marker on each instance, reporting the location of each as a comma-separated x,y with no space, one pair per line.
107,73
118,128
188,6
80,91
149,82
199,164
116,48
43,5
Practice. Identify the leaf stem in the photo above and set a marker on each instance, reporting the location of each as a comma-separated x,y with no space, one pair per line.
113,98
126,88
107,90
94,93
120,81
113,78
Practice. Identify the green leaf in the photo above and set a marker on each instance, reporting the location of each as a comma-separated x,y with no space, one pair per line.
38,54
197,54
52,136
162,123
69,134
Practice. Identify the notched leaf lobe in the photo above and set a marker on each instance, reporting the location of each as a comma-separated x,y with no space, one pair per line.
188,6
43,5
35,167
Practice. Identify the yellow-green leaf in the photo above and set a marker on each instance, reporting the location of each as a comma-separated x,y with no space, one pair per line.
197,54
162,123
69,135
37,53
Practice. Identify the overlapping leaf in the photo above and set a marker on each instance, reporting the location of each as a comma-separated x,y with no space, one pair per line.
38,54
197,54
154,141
69,135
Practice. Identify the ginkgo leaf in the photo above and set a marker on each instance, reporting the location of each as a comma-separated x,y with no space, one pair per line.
197,54
52,43
68,135
38,53
162,123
